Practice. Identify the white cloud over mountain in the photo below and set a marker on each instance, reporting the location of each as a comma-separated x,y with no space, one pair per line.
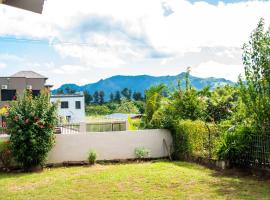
126,34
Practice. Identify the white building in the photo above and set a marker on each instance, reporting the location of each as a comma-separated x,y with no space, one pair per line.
71,107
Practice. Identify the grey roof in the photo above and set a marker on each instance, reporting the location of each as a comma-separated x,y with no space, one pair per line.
122,116
28,74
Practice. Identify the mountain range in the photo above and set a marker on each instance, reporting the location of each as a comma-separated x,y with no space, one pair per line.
142,82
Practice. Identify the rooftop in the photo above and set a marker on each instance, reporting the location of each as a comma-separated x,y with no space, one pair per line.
27,74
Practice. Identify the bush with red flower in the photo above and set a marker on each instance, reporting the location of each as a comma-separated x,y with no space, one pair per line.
30,123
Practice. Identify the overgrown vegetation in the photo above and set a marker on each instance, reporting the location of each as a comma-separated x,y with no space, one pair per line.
219,123
92,157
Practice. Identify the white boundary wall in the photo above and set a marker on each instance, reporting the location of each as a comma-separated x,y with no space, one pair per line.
108,145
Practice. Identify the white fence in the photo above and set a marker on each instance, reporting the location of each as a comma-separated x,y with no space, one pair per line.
109,145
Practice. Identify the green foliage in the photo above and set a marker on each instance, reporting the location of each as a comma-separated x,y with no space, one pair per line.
234,144
92,157
221,104
142,153
194,139
153,101
140,105
5,154
30,123
127,107
255,90
87,98
97,110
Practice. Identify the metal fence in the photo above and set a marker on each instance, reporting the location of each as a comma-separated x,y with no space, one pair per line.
259,151
91,127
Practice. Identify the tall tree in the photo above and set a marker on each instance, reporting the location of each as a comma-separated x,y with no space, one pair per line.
137,96
69,90
111,97
117,97
255,90
126,93
96,97
101,97
87,97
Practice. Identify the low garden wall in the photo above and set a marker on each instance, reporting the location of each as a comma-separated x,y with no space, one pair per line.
109,145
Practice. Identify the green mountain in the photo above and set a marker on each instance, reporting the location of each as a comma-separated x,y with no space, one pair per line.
143,82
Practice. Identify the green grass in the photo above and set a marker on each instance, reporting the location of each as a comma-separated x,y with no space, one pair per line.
159,180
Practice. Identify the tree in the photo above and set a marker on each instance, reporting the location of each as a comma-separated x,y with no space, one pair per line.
96,97
30,123
255,90
87,97
117,97
111,97
137,96
101,97
126,93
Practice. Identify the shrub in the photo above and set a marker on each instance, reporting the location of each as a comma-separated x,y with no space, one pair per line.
97,110
192,139
5,154
92,157
142,152
30,123
127,107
234,145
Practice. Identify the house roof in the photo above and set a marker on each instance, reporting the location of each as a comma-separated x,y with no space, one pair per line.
27,74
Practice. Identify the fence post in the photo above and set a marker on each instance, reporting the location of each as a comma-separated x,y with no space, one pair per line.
82,127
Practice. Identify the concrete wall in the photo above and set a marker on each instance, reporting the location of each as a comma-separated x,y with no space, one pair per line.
109,145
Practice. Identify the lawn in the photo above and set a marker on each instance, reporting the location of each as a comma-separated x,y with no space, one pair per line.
158,180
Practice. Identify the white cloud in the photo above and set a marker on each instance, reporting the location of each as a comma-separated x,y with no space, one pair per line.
214,69
121,33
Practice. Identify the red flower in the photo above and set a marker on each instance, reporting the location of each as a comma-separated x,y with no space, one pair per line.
4,124
36,119
27,121
14,98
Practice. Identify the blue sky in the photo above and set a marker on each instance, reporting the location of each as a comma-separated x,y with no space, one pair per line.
88,41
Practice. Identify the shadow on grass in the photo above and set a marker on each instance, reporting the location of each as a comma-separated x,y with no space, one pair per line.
232,183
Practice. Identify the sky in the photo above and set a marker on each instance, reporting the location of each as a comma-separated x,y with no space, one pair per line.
84,41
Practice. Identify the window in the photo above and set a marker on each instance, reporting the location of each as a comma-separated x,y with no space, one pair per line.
8,95
64,104
35,93
78,104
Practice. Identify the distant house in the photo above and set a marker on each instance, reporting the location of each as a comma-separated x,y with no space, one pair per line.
71,107
16,84
123,116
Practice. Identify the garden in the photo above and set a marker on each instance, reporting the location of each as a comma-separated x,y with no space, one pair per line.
230,123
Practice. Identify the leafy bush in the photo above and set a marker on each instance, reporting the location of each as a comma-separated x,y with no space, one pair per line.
30,123
5,154
193,139
142,152
234,145
92,157
97,110
127,107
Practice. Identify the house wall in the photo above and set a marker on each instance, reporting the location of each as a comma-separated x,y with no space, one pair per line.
77,115
108,145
